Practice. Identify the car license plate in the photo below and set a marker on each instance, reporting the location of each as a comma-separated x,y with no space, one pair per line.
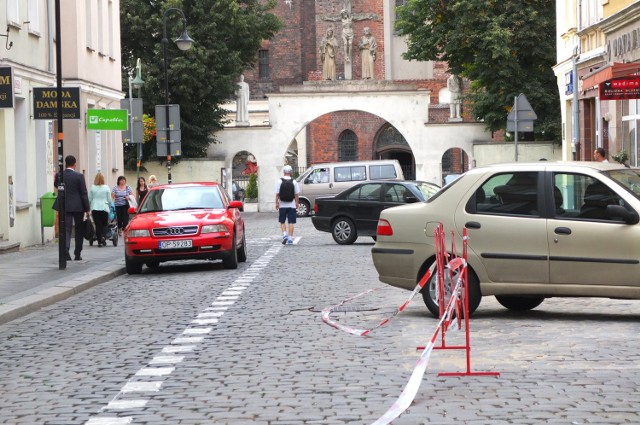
176,244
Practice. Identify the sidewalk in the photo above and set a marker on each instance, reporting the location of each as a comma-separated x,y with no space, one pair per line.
30,279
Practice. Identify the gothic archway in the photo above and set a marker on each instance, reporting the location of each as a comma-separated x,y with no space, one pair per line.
390,144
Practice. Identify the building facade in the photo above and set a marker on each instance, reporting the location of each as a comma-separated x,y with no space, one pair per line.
294,58
90,45
598,41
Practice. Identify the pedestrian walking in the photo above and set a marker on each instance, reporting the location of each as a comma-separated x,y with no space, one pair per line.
141,189
153,181
76,206
287,201
120,195
600,155
100,200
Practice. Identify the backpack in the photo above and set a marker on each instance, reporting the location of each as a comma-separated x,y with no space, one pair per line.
287,190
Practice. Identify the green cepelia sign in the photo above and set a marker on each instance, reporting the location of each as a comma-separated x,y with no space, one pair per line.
107,119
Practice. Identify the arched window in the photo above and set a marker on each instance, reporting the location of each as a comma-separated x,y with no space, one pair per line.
348,145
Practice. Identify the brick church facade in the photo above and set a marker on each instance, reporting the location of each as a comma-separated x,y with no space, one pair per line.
292,58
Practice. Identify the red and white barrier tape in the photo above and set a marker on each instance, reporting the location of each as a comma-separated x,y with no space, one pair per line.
326,312
411,389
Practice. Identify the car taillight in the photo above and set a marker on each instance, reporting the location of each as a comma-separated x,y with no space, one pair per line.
384,228
315,208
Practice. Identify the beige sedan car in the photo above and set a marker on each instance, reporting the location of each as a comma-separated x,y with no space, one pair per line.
536,230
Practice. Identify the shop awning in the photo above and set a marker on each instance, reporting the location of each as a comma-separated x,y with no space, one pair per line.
615,70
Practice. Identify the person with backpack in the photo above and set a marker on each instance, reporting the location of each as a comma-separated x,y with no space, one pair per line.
287,190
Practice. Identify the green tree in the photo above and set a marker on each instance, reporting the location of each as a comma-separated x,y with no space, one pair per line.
252,187
227,35
503,47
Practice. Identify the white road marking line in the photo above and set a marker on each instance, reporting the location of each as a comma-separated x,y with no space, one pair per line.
131,387
155,371
204,321
188,340
109,421
196,331
178,349
166,359
215,303
125,404
210,314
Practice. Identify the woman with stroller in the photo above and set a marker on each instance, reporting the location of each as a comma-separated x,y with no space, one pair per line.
120,195
100,200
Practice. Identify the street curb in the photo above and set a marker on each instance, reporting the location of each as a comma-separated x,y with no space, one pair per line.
45,297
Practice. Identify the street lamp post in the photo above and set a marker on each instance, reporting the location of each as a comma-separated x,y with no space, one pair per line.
184,42
137,83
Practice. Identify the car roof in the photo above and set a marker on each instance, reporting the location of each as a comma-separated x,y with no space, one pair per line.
542,165
187,184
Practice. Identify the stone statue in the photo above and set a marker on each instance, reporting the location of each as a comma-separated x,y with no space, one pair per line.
454,84
242,103
328,49
346,18
369,49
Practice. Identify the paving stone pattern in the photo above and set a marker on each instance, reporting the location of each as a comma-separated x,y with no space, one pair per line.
269,358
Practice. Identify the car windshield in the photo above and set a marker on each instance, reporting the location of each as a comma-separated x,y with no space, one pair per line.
182,198
628,178
427,189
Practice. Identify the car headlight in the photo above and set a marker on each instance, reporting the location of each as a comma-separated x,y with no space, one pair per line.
214,228
138,233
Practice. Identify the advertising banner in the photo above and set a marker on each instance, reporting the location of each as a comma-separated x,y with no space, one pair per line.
620,88
107,119
6,87
45,103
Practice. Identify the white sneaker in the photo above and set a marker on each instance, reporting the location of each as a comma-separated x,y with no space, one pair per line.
290,241
284,238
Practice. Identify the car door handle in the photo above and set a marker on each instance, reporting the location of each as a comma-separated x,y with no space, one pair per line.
562,231
472,225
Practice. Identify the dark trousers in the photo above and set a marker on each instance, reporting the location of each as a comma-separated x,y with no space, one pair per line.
71,220
122,214
100,218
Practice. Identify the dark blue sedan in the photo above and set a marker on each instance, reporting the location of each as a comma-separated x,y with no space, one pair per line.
355,211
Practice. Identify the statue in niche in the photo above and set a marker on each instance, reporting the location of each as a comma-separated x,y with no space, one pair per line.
242,102
454,84
328,49
369,49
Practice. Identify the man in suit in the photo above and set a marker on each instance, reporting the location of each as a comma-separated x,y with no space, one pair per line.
77,206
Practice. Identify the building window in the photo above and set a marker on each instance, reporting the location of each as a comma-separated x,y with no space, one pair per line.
348,145
88,23
100,28
33,13
13,12
263,64
111,26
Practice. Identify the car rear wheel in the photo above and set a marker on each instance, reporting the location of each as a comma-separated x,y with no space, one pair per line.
132,267
344,231
430,298
231,262
242,250
303,208
519,303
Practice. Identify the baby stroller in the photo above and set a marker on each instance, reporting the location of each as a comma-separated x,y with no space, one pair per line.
111,231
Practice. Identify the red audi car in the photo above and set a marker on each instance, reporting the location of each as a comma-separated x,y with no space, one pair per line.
185,221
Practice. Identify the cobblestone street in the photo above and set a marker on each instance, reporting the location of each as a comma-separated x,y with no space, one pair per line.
197,344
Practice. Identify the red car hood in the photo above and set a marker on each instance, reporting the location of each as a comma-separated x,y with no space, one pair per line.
178,218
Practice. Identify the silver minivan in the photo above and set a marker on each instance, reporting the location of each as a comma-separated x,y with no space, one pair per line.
332,178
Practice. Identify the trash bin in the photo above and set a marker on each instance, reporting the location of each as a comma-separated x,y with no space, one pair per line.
47,213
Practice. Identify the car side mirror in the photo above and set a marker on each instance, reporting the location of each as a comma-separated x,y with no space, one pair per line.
132,210
618,211
235,204
410,199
